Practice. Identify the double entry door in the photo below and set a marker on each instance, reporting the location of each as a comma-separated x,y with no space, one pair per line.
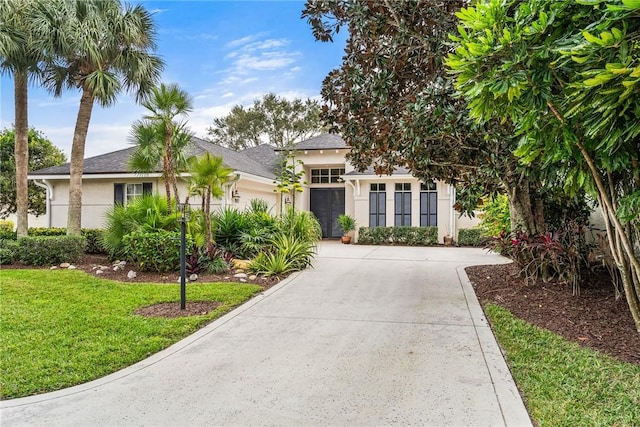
326,204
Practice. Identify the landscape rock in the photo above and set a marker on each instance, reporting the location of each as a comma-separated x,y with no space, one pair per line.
116,268
132,275
240,275
99,272
55,267
241,264
243,280
193,277
71,267
253,277
64,265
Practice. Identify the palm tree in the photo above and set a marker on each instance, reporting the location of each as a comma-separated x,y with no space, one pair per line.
208,175
151,152
160,138
18,57
100,48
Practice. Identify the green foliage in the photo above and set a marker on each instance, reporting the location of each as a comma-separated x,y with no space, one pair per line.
48,250
148,213
97,330
287,254
565,384
8,251
228,225
217,265
95,241
258,206
6,230
470,237
412,236
347,222
154,251
495,216
289,178
42,154
302,225
278,120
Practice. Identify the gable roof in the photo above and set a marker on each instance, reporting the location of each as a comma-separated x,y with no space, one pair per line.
257,162
326,141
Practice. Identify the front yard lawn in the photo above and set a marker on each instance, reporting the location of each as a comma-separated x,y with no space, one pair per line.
61,328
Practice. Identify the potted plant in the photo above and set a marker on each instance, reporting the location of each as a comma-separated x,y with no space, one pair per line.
348,224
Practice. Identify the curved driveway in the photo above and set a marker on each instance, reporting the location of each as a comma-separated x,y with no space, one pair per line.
370,336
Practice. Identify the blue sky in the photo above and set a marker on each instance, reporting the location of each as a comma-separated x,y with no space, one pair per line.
222,53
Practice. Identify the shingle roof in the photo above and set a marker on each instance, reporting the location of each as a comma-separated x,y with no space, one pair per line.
326,141
256,163
264,154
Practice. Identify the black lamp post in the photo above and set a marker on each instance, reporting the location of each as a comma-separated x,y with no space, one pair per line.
182,207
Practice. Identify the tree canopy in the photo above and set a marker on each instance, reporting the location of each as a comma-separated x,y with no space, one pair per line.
566,75
394,103
42,154
272,119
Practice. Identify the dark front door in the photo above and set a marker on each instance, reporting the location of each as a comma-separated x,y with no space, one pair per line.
326,204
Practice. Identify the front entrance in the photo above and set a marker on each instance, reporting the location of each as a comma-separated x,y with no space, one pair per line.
326,204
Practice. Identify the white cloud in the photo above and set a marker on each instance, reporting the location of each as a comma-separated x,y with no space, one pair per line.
227,95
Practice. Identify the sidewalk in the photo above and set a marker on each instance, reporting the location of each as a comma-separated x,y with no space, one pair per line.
369,336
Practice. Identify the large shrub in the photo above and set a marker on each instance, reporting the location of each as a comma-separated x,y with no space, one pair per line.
495,216
413,236
148,213
154,251
47,250
6,230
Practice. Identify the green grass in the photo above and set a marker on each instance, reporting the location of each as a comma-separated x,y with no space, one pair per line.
61,328
564,384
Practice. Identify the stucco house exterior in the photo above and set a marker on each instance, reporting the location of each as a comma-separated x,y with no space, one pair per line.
332,187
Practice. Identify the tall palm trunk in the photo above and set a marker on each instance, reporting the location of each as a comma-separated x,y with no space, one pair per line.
74,219
207,217
168,165
21,152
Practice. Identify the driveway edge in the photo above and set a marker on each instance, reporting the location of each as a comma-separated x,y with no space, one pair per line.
514,411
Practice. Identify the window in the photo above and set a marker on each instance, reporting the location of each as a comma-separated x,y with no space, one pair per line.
402,204
326,176
124,193
428,204
378,205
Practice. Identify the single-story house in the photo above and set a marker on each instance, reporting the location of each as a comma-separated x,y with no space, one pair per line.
332,187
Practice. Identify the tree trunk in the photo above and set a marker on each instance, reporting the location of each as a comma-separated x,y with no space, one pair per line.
620,243
74,217
21,152
207,216
525,213
167,183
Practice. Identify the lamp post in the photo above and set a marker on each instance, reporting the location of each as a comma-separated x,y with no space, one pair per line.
182,207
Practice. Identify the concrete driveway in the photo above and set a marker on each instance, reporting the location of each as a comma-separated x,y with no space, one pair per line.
370,336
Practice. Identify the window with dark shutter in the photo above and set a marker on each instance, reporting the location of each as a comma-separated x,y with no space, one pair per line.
118,194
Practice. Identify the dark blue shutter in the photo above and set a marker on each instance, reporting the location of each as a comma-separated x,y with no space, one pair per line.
118,194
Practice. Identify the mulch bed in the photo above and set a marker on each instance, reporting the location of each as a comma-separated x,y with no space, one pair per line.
91,262
172,309
594,318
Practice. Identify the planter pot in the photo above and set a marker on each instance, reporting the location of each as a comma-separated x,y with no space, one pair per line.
346,239
448,240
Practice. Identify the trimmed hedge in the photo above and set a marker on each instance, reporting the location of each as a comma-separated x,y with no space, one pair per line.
470,237
47,250
8,251
94,237
411,236
157,251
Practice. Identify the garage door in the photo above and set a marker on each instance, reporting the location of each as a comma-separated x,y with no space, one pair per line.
326,204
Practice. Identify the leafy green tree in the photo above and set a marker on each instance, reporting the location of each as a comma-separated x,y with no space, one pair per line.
42,154
272,119
161,138
289,178
567,76
209,174
18,57
100,48
394,103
